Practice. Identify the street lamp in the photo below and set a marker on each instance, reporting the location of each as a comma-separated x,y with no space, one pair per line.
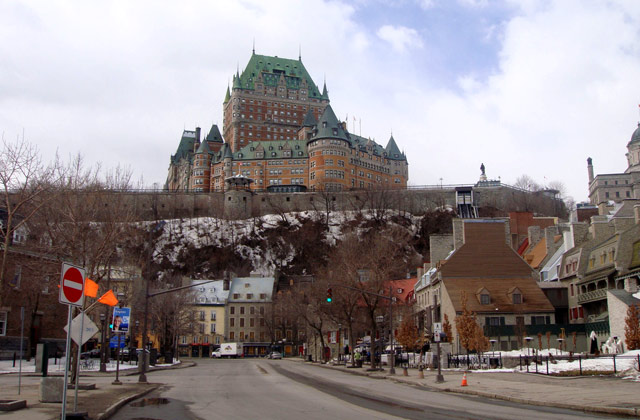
103,350
528,340
493,342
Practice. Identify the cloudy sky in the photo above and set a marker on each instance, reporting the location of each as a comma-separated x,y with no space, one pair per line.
525,87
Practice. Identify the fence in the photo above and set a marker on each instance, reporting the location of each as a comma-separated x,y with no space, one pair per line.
492,360
578,365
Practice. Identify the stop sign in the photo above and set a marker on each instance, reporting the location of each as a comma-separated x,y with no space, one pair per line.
72,285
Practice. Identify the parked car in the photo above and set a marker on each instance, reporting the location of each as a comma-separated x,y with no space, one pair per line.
216,354
275,355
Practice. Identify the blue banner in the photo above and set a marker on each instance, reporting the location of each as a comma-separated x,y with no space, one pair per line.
121,317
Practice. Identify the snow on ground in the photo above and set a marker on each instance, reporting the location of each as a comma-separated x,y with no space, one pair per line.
180,234
626,364
57,365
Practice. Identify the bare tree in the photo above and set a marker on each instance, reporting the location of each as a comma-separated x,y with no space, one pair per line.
24,178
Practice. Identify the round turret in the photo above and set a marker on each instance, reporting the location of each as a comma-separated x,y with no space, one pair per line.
635,137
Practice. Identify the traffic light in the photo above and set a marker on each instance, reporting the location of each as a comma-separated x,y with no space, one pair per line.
329,295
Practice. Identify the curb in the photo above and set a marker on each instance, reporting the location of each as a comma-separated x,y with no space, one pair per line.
115,407
619,411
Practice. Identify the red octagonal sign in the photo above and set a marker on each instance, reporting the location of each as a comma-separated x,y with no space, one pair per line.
72,285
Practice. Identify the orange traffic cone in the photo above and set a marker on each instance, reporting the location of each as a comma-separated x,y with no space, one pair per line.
464,380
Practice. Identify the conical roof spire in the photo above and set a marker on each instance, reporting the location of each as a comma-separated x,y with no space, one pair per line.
227,97
329,126
393,152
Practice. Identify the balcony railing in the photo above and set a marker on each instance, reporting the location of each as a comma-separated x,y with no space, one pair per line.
592,296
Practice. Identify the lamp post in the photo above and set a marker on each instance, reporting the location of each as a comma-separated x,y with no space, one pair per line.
143,368
493,342
528,340
338,340
103,350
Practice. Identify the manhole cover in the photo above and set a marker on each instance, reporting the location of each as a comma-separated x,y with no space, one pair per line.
150,401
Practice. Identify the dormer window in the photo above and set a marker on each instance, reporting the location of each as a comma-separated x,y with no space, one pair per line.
483,296
516,296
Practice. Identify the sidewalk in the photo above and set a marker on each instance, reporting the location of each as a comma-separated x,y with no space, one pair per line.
99,403
597,394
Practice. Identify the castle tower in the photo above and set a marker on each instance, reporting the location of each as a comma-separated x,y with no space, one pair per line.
633,152
269,101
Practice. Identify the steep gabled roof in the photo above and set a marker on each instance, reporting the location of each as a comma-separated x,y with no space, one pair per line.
485,253
271,69
309,119
214,134
185,148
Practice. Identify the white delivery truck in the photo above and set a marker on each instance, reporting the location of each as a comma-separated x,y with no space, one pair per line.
229,350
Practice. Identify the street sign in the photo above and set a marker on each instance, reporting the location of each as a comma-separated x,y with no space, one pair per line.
113,343
88,329
71,285
120,320
437,327
436,337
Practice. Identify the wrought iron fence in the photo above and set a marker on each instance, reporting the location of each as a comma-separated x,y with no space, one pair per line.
540,364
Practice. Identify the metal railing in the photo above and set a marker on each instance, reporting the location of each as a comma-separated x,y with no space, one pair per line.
540,364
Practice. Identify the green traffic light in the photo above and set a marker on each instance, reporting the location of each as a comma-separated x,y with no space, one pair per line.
329,299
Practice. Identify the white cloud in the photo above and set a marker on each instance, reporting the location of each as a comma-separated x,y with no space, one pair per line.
119,81
401,38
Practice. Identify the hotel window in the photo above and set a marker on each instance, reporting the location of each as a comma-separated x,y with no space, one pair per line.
242,310
232,322
213,328
485,299
232,335
517,298
242,322
232,310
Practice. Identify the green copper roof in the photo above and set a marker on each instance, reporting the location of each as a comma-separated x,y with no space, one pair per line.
203,148
273,149
309,119
635,137
226,151
227,97
393,152
214,134
185,147
325,94
272,70
329,126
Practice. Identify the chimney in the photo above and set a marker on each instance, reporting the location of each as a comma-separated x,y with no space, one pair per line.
579,233
631,284
535,235
441,246
590,169
600,228
621,224
420,273
458,235
225,281
549,234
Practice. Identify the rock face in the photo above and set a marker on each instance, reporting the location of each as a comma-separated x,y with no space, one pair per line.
51,390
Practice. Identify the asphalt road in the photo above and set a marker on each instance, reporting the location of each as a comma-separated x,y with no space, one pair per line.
277,389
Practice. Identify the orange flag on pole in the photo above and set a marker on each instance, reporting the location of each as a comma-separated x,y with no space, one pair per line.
90,288
109,299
